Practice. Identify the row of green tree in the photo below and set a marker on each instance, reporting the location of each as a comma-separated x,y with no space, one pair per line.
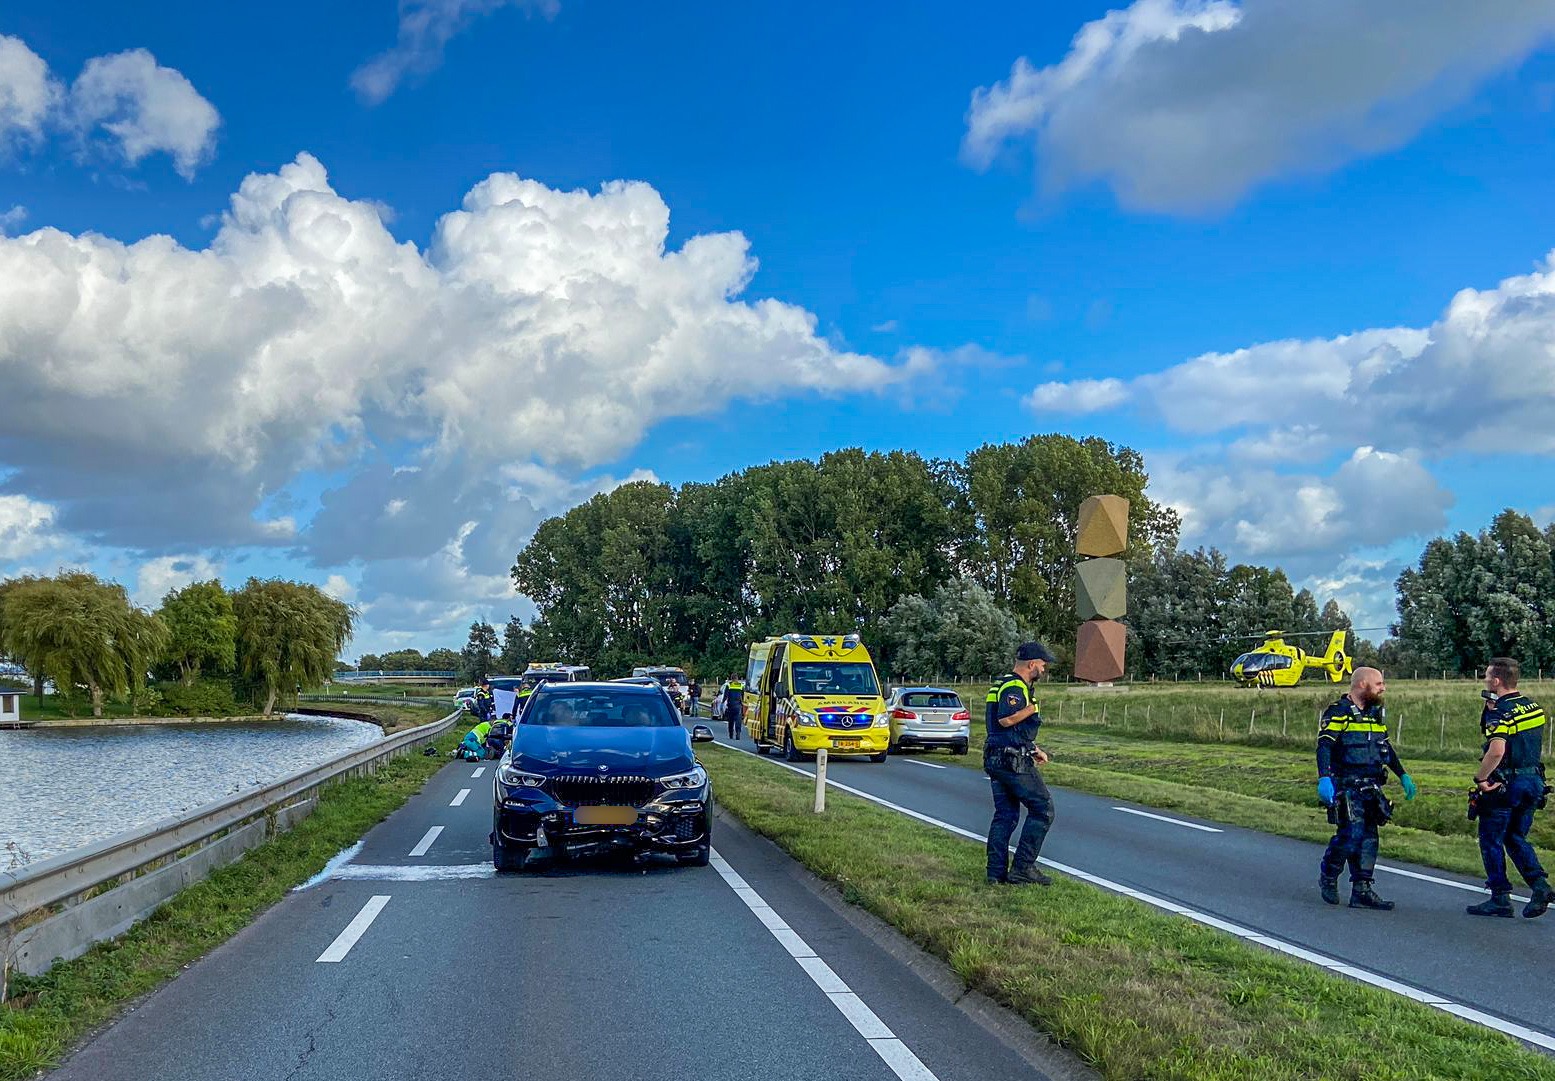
943,565
85,636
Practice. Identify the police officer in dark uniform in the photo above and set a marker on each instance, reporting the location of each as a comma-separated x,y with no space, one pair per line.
1353,757
485,706
1508,788
1010,758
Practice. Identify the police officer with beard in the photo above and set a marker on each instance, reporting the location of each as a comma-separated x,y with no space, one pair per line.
1010,758
1353,757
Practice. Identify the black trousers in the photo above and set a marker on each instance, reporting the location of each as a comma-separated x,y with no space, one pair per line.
1015,787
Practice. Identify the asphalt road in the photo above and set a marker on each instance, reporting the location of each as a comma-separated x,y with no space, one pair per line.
429,966
1265,886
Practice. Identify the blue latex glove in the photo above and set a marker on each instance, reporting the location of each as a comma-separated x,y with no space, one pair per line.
1325,789
1409,786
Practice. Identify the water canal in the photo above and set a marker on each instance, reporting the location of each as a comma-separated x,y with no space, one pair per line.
61,788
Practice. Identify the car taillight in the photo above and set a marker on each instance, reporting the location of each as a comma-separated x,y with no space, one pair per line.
962,716
904,715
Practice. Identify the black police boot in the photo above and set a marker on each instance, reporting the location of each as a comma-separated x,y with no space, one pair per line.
1329,888
1029,876
1539,900
1500,904
1362,896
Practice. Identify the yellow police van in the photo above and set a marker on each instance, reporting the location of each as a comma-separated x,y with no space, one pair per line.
808,691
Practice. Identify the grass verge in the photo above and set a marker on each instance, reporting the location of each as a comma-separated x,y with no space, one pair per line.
1137,993
47,1014
1264,788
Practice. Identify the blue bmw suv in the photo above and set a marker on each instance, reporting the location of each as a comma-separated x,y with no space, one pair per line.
595,768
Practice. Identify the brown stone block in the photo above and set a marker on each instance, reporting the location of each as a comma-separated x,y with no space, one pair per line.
1100,589
1103,526
1098,653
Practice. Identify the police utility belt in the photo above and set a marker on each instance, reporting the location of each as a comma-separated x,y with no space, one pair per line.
1009,757
1360,798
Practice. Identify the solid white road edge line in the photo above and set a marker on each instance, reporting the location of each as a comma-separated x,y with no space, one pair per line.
892,1051
354,930
931,765
426,841
463,792
478,771
1468,1013
1469,886
1163,818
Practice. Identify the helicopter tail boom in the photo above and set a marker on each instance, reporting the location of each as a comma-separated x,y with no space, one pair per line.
1336,661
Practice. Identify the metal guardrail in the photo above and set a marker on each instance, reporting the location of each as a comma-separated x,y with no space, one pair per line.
67,876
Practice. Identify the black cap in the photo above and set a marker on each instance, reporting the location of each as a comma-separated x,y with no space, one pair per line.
1034,651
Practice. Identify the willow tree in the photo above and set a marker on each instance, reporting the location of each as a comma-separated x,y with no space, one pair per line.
80,631
289,634
203,628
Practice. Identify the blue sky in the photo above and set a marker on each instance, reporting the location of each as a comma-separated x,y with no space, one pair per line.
1088,243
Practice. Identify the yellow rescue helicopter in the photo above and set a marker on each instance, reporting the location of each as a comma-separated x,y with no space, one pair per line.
1277,663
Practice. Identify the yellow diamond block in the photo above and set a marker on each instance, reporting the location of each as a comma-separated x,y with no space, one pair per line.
1100,589
1098,653
1103,526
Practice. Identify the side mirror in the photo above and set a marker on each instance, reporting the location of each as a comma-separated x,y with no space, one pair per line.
701,734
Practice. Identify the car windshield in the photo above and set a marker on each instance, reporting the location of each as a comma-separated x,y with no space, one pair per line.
835,677
664,675
598,707
931,700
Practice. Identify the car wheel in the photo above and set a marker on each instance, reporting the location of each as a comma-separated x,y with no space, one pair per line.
881,757
790,752
959,748
763,748
507,860
701,857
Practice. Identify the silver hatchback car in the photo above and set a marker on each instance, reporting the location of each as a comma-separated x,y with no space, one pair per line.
928,717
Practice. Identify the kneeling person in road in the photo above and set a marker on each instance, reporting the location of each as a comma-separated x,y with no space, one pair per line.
1010,758
1353,757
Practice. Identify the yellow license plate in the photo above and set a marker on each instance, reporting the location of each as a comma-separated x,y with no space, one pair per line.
845,744
605,816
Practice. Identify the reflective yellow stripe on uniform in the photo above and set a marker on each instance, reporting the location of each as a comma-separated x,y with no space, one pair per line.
1522,722
1352,726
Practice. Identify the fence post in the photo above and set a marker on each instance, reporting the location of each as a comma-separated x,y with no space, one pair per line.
1222,724
820,780
1400,739
1251,719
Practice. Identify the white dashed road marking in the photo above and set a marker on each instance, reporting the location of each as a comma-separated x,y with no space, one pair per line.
1457,1009
1163,818
931,765
478,771
354,930
892,1051
463,792
426,841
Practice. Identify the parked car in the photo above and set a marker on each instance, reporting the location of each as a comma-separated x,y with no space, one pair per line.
465,699
595,768
928,717
675,681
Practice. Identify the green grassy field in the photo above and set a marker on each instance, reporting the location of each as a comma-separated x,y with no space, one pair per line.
45,1015
1138,993
1165,746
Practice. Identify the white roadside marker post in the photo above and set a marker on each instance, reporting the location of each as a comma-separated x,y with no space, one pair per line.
820,780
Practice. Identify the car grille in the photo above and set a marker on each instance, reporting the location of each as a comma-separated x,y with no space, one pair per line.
846,722
588,790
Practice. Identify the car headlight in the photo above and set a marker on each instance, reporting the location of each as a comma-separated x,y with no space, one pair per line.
696,778
805,720
883,721
517,778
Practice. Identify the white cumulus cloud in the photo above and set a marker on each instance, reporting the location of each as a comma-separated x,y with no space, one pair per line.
1184,105
1078,396
425,29
158,576
28,93
126,103
146,108
27,527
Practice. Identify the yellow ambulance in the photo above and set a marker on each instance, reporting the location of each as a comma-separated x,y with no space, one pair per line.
808,691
